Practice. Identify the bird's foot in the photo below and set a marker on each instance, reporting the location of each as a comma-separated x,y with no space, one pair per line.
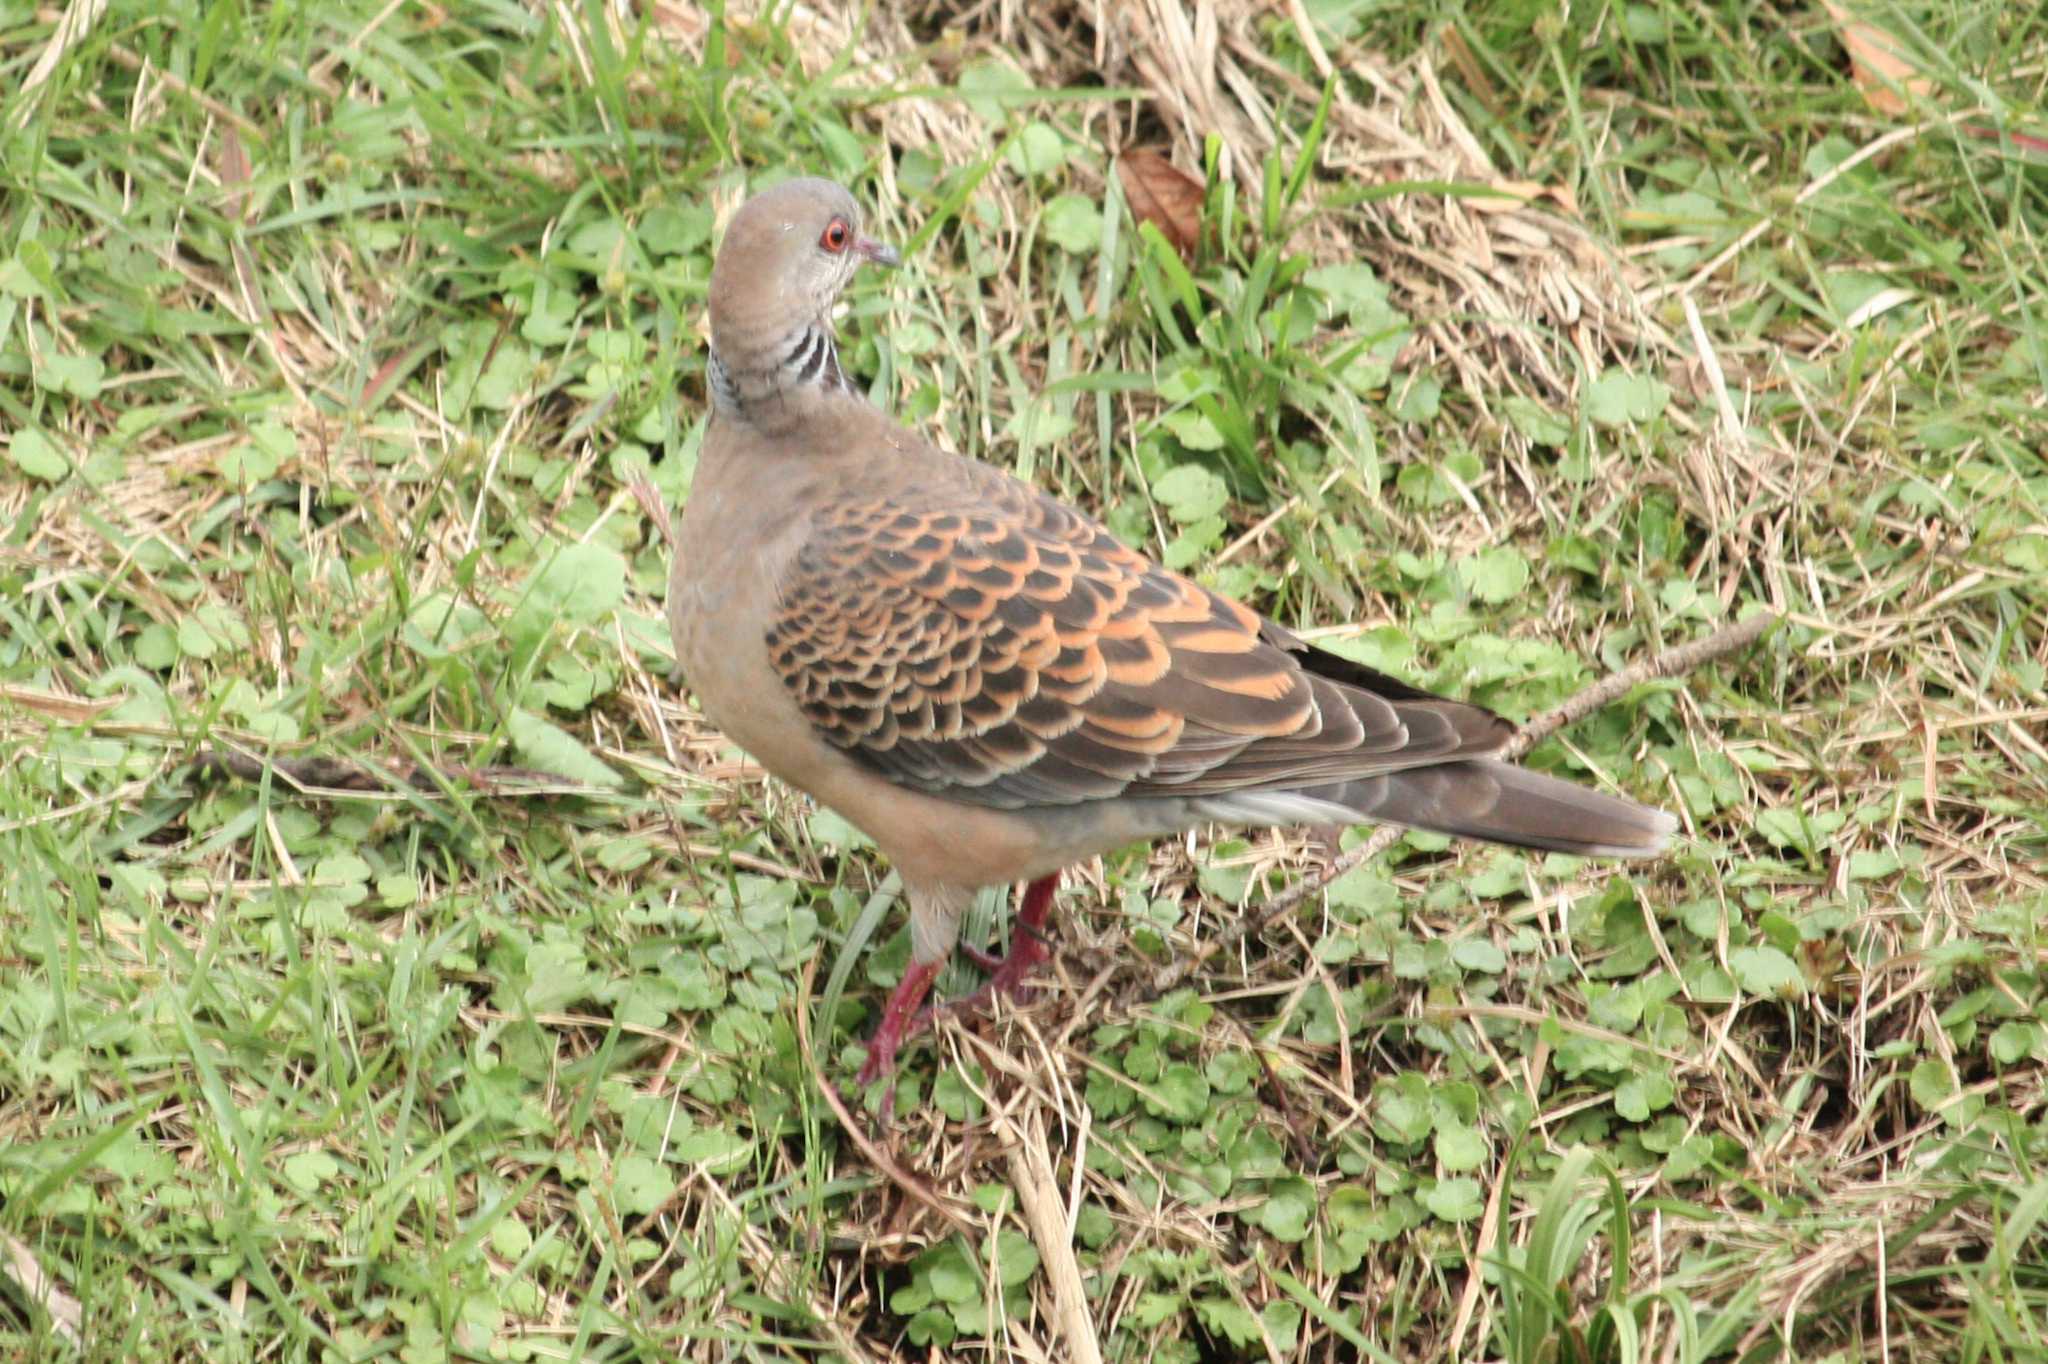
901,1019
988,961
1010,974
905,1015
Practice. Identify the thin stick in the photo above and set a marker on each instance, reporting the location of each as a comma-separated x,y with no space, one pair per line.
1671,663
1031,1173
316,775
1875,147
19,1261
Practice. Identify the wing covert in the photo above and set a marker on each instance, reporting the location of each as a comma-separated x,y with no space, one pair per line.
998,648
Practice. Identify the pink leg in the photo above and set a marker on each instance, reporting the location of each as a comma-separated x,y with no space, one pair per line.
904,1015
1027,939
899,1019
1009,974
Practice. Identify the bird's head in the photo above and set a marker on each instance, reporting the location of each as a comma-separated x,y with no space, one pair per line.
786,255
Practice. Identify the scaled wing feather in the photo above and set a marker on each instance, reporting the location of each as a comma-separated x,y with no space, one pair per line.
983,642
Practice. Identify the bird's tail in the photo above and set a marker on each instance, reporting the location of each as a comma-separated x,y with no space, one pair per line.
1476,798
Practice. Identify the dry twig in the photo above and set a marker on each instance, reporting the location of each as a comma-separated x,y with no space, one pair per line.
315,774
1031,1174
19,1262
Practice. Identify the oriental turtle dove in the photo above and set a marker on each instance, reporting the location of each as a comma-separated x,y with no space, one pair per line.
984,679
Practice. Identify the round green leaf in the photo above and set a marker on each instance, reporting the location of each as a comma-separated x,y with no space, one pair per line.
1458,1147
36,455
1455,1200
1289,1208
1766,971
1073,224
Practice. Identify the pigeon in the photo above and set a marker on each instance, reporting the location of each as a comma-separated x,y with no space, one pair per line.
987,682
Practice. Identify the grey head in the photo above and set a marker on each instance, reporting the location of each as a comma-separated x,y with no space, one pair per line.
787,254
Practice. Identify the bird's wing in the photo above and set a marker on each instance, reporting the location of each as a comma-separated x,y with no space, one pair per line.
983,642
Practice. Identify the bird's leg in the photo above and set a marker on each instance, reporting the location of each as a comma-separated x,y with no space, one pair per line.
902,1016
1028,947
1009,974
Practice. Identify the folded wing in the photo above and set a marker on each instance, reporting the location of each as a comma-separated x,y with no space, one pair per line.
984,643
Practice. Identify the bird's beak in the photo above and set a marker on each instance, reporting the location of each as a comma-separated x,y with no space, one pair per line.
880,253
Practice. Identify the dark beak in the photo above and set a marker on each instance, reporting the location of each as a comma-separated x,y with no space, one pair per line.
880,253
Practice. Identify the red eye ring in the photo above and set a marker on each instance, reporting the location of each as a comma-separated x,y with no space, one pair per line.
836,235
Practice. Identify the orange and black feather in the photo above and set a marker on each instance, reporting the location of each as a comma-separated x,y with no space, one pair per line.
983,642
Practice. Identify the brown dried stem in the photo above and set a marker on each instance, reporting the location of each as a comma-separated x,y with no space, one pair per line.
318,775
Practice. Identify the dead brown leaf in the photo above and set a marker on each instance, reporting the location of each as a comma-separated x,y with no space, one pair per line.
234,174
65,710
1882,71
1164,195
1513,194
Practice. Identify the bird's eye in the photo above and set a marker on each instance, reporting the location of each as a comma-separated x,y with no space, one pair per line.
836,236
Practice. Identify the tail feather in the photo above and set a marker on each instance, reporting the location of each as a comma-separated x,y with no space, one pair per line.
1474,798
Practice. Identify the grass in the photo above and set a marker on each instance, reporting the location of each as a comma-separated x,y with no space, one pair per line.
330,340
